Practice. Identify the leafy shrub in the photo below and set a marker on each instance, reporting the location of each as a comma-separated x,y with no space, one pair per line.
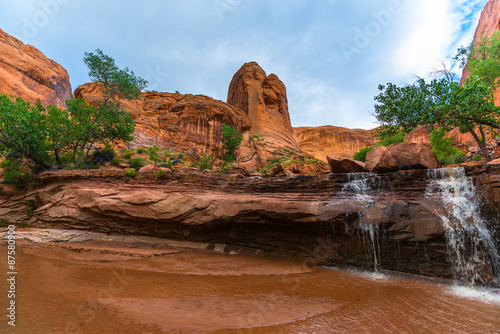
30,208
442,147
127,155
264,171
14,172
206,162
103,156
130,172
153,157
154,149
160,173
137,163
361,154
477,157
140,150
116,162
397,138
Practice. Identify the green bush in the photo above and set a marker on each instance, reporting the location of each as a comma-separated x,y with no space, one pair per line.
14,172
160,173
127,155
130,172
116,162
206,162
103,156
445,152
140,150
477,157
398,138
153,157
155,149
361,154
137,163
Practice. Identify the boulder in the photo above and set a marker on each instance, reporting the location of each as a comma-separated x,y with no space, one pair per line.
28,73
343,165
277,171
401,156
263,98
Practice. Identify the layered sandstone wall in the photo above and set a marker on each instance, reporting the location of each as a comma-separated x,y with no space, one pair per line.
318,217
27,72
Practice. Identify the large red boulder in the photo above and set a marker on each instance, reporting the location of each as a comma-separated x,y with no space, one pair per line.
401,156
344,165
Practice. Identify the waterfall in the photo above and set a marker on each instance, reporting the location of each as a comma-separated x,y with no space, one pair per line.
362,186
471,246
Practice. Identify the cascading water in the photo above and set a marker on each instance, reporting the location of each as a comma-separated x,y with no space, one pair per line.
471,246
363,186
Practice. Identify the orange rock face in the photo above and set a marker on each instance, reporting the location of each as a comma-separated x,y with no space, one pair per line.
183,123
332,140
263,98
488,23
26,72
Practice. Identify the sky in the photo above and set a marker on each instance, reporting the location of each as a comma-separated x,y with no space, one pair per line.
331,54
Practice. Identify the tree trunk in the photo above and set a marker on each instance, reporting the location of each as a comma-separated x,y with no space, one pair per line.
481,143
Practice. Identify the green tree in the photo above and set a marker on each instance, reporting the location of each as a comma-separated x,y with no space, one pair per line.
22,129
43,135
483,59
230,142
442,104
110,122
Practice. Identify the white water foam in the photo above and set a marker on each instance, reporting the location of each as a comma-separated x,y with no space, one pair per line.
471,246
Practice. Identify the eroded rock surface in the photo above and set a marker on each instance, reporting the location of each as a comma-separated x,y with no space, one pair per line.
183,123
304,216
263,98
27,72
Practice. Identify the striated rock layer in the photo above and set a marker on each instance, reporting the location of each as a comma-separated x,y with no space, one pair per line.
332,140
183,123
263,98
27,72
320,217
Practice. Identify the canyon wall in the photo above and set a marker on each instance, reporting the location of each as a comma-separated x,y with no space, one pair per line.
183,123
26,72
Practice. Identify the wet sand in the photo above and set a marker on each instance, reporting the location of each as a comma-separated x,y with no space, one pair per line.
102,288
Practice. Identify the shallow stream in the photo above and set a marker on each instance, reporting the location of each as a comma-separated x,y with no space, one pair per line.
102,288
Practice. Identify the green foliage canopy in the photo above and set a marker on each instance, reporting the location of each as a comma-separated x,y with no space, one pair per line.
230,142
48,136
441,103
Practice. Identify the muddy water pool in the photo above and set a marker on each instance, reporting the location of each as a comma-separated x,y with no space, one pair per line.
101,288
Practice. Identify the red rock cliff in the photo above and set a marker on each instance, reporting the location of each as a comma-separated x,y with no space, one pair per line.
26,72
332,140
183,123
263,98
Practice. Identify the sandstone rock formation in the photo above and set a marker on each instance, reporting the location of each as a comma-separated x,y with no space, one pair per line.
488,23
339,165
399,157
263,98
321,216
332,140
26,72
183,123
